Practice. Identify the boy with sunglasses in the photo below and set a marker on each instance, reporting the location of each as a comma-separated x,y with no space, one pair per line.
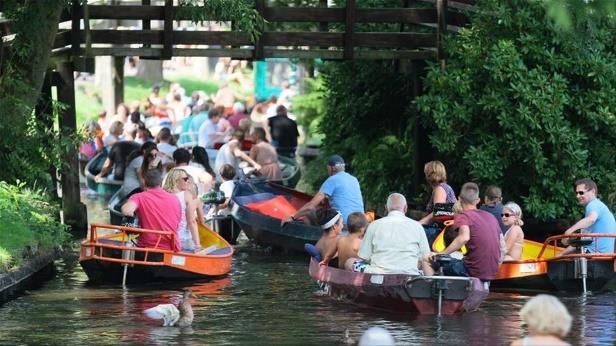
597,218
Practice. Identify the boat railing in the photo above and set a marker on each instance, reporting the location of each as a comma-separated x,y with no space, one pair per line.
553,241
126,234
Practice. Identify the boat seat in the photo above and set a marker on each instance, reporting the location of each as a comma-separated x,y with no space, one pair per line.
313,251
580,242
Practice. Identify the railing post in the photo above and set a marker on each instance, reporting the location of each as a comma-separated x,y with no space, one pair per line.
441,11
349,30
75,28
145,24
258,52
167,52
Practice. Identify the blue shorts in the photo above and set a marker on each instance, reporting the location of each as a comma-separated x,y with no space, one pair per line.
360,266
455,267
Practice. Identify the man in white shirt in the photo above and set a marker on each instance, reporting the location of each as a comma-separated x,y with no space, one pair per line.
209,133
394,244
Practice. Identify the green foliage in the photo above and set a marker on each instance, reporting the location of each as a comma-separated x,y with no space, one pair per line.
564,12
527,106
27,221
241,12
309,107
365,121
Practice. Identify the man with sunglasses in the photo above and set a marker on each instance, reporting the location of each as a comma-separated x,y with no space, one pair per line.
597,218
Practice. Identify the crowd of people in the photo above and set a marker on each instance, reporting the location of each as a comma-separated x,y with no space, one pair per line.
490,232
170,150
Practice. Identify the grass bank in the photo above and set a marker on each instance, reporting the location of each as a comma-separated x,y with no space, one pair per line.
28,225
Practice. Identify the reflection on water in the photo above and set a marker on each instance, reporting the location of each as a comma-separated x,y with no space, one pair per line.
265,300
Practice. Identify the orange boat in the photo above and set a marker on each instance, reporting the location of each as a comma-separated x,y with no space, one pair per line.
109,255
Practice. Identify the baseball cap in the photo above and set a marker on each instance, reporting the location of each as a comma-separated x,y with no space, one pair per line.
335,160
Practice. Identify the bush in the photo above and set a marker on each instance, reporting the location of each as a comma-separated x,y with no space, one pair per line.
28,224
526,105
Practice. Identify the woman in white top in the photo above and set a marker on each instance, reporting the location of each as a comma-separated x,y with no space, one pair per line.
231,153
178,182
514,237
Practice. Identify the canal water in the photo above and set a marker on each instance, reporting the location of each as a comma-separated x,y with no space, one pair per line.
266,300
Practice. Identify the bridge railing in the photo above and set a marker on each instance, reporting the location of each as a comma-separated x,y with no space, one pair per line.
336,33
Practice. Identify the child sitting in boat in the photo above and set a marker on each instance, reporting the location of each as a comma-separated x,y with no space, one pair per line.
448,237
330,221
227,173
514,237
348,246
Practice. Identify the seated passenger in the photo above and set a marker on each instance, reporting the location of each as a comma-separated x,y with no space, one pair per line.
394,244
514,237
156,209
178,182
330,221
348,246
227,173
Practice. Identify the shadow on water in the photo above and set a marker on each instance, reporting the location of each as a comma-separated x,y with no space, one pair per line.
268,299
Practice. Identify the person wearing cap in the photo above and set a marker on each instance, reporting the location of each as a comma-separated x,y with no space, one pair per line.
341,189
394,244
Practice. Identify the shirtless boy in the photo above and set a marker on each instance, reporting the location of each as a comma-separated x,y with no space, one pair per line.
330,221
349,246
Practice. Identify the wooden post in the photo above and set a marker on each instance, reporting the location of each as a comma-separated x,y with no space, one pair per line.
258,52
167,52
145,24
75,213
118,79
44,113
441,10
349,30
323,26
75,28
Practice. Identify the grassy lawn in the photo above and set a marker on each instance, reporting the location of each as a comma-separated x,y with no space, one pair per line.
88,102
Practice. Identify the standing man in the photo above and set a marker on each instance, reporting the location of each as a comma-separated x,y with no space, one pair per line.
479,231
597,217
156,209
394,244
341,190
283,132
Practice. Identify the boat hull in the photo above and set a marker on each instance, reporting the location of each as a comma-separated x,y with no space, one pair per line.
105,257
411,295
105,187
601,274
267,230
529,275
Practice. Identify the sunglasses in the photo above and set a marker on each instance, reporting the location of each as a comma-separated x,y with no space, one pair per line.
507,215
579,193
185,178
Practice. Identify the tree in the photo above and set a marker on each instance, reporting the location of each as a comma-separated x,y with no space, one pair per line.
526,105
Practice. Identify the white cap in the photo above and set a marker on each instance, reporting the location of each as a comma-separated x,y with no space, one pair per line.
376,336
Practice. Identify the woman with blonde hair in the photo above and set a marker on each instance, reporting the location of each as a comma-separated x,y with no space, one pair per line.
178,182
514,236
547,320
436,176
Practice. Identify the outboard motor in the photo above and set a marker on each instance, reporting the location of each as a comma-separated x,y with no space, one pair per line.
441,285
581,263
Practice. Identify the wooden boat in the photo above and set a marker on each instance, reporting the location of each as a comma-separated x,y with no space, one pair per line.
109,255
265,229
411,295
106,187
585,270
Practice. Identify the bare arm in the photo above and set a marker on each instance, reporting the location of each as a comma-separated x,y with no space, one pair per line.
512,236
331,252
128,209
104,170
237,152
438,196
191,221
583,223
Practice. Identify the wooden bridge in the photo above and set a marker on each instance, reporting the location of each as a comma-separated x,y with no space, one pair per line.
330,33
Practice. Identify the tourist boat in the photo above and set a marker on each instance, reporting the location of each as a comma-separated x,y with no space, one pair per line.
105,187
260,206
411,295
586,269
109,255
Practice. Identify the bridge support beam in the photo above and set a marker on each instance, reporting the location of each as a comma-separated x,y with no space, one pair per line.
74,212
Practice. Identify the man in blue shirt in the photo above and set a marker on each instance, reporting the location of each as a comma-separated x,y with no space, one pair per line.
597,217
341,190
